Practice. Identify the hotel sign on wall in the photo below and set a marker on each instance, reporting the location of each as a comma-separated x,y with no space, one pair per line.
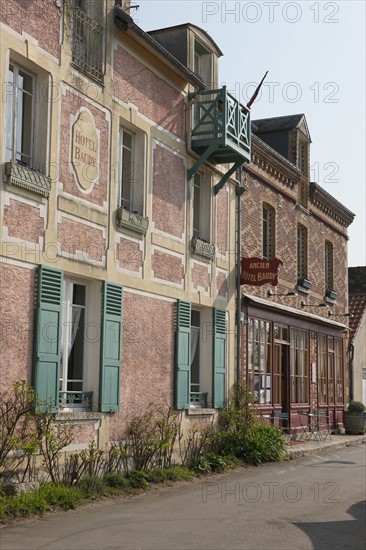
85,150
257,272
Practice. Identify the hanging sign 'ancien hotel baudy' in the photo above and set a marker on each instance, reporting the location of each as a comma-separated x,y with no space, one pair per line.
85,150
257,272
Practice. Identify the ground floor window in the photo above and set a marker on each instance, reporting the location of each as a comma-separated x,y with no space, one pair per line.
259,360
322,369
330,369
73,343
299,365
200,357
77,344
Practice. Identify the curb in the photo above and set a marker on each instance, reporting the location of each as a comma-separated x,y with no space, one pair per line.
324,448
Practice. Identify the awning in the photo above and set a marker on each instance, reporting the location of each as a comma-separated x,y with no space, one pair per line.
292,311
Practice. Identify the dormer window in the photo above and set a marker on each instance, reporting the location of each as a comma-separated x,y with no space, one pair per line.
203,63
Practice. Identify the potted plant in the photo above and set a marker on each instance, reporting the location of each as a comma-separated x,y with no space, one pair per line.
355,418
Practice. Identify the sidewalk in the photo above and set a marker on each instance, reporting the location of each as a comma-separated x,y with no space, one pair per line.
297,449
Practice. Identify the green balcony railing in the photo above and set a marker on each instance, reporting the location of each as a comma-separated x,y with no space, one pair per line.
78,399
198,399
221,123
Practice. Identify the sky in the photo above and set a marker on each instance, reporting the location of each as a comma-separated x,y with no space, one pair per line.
315,55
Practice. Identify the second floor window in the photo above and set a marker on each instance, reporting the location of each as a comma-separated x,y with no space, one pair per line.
131,170
202,207
88,37
268,230
19,116
302,252
328,267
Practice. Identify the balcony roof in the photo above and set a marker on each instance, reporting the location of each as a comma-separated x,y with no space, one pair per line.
127,24
197,30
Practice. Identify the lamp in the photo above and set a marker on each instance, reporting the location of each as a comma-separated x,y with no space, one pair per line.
322,304
289,294
331,314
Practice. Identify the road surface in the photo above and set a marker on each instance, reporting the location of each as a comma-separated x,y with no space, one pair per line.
312,503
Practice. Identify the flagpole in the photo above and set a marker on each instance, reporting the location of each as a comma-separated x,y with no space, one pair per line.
256,92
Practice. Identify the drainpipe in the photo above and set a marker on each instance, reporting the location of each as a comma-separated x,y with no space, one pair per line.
239,192
351,355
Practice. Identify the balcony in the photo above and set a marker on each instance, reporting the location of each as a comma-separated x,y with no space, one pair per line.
21,176
131,220
202,248
221,123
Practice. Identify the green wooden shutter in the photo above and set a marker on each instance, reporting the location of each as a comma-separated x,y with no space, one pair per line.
182,356
219,358
47,348
111,347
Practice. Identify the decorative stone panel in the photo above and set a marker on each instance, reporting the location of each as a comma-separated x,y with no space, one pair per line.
169,192
23,221
81,242
153,96
167,267
40,19
129,255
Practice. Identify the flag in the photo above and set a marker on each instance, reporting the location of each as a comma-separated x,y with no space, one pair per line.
254,96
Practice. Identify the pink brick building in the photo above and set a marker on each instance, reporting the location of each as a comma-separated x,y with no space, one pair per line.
118,237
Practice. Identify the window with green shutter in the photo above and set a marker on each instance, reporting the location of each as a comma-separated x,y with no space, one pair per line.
182,356
111,347
47,348
219,358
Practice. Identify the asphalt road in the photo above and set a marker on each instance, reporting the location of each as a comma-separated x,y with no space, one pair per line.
312,503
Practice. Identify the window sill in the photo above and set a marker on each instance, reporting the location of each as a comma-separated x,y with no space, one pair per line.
203,249
20,176
77,414
132,221
330,297
195,411
303,286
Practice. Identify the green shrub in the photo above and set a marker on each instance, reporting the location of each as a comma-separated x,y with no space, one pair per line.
216,462
46,497
157,475
60,496
174,473
178,473
208,463
137,479
92,486
116,481
200,465
263,443
356,407
25,504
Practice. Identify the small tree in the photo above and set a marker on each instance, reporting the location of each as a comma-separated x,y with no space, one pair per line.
19,440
